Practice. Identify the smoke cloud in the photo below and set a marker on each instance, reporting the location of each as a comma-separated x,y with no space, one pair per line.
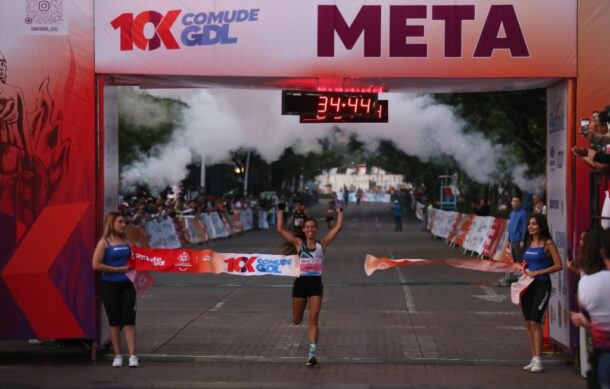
220,121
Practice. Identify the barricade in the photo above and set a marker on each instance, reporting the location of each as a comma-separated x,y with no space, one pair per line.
247,219
443,221
162,233
194,231
477,234
485,236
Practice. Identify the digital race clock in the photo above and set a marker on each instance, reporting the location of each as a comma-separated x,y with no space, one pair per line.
320,107
377,114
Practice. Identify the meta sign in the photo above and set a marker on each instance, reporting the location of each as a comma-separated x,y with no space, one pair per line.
403,27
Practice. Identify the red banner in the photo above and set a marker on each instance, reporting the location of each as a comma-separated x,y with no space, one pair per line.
372,264
209,261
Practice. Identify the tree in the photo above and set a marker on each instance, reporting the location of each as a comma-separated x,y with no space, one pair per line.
145,121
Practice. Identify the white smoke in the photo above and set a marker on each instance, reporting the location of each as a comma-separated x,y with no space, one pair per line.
219,121
533,185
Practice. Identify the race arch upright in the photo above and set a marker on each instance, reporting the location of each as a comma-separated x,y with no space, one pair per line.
59,113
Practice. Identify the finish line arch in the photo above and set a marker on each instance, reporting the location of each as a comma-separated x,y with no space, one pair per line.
58,75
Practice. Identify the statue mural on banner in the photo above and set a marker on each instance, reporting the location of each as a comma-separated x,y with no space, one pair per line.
33,155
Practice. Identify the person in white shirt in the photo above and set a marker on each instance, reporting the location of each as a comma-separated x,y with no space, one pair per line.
593,292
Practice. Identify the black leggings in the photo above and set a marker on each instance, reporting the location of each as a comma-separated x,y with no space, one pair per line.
535,300
119,299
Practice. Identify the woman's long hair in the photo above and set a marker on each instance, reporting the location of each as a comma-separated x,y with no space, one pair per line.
288,248
109,226
543,228
590,256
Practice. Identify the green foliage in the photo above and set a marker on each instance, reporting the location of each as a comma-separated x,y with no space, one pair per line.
145,122
515,119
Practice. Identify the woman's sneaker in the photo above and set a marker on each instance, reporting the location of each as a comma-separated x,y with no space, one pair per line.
528,367
312,361
537,366
133,361
117,361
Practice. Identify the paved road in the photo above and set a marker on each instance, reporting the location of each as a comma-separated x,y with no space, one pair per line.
425,326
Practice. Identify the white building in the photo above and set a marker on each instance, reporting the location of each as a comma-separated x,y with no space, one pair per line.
358,177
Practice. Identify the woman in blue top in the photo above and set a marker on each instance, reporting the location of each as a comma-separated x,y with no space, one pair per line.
542,258
308,288
111,257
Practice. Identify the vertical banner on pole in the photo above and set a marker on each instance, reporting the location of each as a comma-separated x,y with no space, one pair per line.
557,211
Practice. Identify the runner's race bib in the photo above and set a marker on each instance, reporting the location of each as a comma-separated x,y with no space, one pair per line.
310,266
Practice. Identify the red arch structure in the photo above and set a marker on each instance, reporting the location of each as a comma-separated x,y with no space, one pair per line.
58,78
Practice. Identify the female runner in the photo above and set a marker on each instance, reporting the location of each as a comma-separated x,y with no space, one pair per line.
308,288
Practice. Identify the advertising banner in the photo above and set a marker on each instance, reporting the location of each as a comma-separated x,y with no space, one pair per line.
47,170
209,261
478,232
443,221
557,211
343,38
162,232
490,246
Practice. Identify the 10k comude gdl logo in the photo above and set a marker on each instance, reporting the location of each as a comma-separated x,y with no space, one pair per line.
200,29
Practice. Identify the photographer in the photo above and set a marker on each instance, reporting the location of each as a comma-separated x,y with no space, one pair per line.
597,156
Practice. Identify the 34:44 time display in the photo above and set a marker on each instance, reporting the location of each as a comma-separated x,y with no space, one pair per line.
350,105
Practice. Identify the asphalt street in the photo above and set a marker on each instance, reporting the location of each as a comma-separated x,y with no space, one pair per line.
415,327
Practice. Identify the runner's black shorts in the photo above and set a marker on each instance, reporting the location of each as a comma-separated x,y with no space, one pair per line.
119,300
307,286
535,300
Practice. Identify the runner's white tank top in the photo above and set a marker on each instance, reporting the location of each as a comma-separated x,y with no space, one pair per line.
310,262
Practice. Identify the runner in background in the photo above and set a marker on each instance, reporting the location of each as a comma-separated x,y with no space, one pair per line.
298,216
330,213
308,288
111,257
542,258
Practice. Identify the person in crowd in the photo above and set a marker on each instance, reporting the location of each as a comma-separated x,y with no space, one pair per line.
541,258
330,214
590,244
517,228
298,215
596,126
538,205
482,208
359,195
397,213
345,196
593,292
111,257
597,155
308,288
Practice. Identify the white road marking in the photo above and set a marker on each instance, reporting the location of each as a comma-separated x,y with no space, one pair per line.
491,295
409,300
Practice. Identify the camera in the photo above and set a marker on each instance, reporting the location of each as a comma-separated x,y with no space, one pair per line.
584,126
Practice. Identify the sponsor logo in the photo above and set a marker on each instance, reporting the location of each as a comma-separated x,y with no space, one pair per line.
368,23
195,29
560,159
560,239
556,158
155,261
557,118
254,264
183,262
